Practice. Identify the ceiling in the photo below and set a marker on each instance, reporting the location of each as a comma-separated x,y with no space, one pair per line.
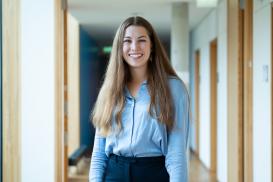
101,18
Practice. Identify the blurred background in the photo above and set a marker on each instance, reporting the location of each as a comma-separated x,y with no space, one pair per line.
53,58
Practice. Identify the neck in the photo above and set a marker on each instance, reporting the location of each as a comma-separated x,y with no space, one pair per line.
138,76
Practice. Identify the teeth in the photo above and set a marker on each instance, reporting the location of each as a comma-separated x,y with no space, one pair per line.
135,55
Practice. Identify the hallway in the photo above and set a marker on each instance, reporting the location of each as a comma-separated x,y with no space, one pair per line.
53,61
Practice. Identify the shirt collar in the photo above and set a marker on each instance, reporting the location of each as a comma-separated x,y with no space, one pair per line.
128,94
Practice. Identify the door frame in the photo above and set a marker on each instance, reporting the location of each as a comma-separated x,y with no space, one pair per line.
213,105
197,100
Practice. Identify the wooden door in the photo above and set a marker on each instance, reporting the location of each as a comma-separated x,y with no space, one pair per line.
197,85
213,105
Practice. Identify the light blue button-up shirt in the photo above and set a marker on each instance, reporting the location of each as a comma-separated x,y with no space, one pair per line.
144,136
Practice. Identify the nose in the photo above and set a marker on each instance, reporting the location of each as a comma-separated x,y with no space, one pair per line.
134,45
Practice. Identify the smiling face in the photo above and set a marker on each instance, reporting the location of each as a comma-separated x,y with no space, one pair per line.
136,47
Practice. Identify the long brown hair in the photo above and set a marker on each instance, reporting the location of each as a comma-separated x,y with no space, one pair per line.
110,101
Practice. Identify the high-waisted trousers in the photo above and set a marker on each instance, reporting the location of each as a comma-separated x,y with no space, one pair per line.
136,169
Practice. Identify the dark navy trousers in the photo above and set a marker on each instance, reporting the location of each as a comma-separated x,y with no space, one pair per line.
140,169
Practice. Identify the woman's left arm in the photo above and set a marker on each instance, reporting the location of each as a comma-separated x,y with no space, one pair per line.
177,155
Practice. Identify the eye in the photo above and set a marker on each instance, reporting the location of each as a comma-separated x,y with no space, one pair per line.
126,40
142,40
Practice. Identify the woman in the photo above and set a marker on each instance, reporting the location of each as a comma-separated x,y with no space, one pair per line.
142,112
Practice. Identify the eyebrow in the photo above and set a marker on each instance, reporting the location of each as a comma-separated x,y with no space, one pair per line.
143,36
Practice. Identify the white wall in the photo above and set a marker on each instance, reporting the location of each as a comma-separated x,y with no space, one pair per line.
201,38
262,93
204,115
213,26
222,92
37,84
258,4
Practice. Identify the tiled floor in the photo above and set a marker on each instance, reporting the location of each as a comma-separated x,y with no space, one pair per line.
197,172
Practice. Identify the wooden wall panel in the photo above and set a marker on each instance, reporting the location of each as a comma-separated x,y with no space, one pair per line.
1,120
235,94
11,91
60,152
73,84
248,91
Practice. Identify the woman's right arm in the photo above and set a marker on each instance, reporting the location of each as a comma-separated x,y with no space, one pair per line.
98,160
